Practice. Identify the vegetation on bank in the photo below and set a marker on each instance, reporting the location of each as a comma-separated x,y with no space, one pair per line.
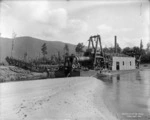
12,73
58,57
138,52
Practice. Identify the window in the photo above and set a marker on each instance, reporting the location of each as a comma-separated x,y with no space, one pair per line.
123,63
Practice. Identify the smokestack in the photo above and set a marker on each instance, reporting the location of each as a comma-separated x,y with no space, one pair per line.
115,44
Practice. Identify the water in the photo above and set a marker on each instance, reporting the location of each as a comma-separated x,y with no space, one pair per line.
128,95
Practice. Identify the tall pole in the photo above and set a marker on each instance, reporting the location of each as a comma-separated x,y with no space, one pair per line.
0,49
115,44
13,40
12,47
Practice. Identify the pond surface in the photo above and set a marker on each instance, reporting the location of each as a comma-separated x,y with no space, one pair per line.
128,95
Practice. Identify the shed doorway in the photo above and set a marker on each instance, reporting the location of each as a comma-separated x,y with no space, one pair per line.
117,66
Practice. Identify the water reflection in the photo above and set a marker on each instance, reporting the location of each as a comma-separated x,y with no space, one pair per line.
118,78
106,79
128,93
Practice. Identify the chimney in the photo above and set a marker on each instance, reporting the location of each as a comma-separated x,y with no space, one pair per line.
115,44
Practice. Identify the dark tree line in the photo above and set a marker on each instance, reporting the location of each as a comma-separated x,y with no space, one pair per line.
138,52
79,48
112,49
135,51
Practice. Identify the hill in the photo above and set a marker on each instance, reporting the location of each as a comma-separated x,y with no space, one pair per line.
32,46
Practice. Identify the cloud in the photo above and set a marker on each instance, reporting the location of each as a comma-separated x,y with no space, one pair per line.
55,18
104,29
39,19
49,33
125,29
58,17
73,30
23,10
40,11
108,33
76,26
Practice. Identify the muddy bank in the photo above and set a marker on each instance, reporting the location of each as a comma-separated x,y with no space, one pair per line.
12,73
54,99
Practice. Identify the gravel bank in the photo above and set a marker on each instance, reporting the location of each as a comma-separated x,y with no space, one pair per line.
54,99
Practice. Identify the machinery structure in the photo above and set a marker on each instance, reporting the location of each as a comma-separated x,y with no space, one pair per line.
97,50
93,58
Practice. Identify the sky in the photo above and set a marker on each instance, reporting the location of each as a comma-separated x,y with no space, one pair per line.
74,21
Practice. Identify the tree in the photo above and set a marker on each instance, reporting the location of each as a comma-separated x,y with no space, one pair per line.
118,48
54,59
79,48
44,49
112,49
141,45
66,49
145,58
126,51
108,49
59,56
25,56
148,47
136,50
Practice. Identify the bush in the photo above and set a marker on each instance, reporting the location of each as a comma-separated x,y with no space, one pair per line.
145,58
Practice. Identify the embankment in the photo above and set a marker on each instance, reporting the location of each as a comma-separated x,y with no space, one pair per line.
54,99
12,73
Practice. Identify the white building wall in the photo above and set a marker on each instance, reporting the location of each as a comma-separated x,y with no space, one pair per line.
126,61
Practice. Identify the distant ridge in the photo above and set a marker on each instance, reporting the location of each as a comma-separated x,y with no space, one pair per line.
32,46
